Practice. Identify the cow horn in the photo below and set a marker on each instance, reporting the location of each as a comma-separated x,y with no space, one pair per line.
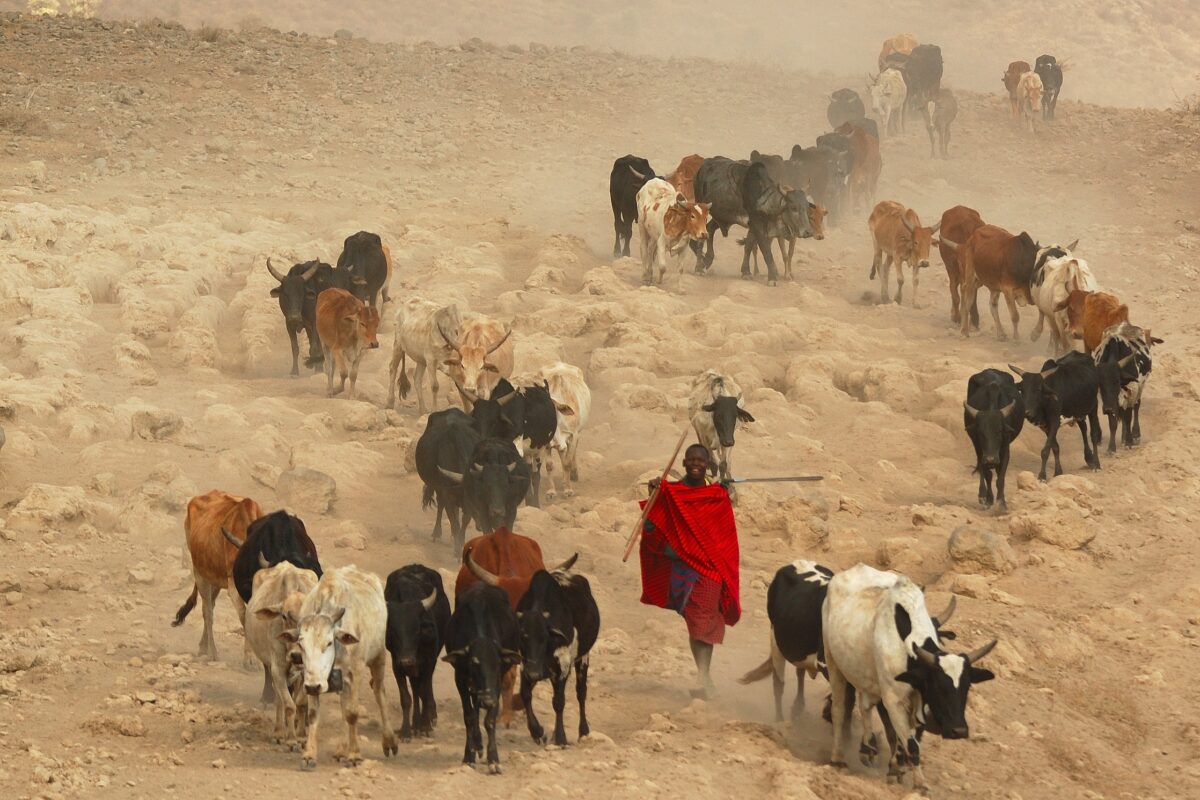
1124,362
927,658
639,175
233,540
976,655
948,243
907,224
974,412
447,338
935,227
468,403
512,466
1019,372
496,346
428,602
457,477
262,562
944,617
508,398
1008,409
274,272
1046,373
480,572
308,273
1073,245
566,565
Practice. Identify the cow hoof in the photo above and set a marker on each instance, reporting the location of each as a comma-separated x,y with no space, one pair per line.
390,748
308,764
493,769
772,283
568,492
839,764
1042,477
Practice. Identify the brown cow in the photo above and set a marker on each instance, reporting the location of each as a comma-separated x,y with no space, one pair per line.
483,354
684,176
896,231
1002,262
346,327
864,177
1011,79
957,225
1089,314
212,554
902,43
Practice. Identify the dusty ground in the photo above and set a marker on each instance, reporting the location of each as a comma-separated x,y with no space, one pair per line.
148,174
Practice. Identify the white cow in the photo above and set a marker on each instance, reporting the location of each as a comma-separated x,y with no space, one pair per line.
1056,275
888,94
715,407
880,639
279,593
423,332
341,631
573,401
1029,95
668,222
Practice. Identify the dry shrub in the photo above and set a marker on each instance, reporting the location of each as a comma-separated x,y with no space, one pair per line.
210,34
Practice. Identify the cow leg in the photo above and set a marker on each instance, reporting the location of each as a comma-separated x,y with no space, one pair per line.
308,759
798,703
419,384
1052,443
791,252
747,250
507,684
1112,433
1037,329
885,272
1135,436
900,281
616,236
876,262
946,142
493,754
1000,473
929,129
581,671
268,691
572,466
994,304
458,525
339,358
378,686
1013,312
208,602
560,703
428,703
663,258
551,478
295,351
437,523
350,712
1094,422
535,726
329,368
406,703
470,716
838,712
354,362
285,708
985,480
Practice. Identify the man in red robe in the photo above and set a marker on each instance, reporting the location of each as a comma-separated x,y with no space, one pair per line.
689,556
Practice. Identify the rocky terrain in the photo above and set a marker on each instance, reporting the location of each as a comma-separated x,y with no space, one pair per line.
146,173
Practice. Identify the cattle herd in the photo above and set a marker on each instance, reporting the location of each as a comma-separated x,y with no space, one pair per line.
868,632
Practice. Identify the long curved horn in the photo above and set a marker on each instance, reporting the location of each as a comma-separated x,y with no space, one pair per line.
480,572
468,403
1008,409
1046,373
308,273
974,412
428,602
927,658
566,565
935,227
976,655
496,346
1124,362
447,338
274,272
1020,372
262,561
639,175
944,617
948,243
233,540
508,398
907,224
457,477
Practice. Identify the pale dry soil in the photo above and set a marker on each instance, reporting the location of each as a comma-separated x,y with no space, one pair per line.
147,175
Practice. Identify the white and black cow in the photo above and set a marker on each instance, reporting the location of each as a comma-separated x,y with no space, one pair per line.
880,640
1123,364
715,408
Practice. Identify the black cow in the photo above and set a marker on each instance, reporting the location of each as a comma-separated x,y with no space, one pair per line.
839,143
822,172
297,292
443,455
502,415
743,193
418,616
923,75
364,260
559,622
844,106
494,485
1050,72
482,643
541,423
1064,389
629,174
1123,364
993,415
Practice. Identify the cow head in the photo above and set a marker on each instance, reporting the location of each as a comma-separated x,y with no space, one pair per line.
544,624
319,637
482,663
491,416
943,680
727,412
1074,306
1034,391
816,220
294,290
795,214
289,612
685,221
362,325
409,625
993,427
1113,373
918,241
469,365
495,484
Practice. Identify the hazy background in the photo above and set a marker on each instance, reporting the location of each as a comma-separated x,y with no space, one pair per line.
1121,52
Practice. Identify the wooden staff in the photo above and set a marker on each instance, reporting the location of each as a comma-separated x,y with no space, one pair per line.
637,529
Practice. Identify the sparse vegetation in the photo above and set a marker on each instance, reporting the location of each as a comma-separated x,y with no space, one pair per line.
210,34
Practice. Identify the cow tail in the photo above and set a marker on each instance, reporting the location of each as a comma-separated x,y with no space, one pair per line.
427,496
405,386
187,607
758,673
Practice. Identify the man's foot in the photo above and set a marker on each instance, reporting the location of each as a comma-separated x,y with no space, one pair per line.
703,692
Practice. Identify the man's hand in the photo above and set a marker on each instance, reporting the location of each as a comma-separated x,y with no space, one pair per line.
652,484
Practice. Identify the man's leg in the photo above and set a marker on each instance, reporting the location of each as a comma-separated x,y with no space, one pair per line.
702,652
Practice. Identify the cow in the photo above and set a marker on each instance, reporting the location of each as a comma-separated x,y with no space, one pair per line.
1048,69
844,106
1123,364
368,262
888,95
443,454
418,617
347,327
1090,314
423,332
1065,388
881,641
483,646
940,112
538,432
1011,80
502,415
341,630
822,172
901,43
816,226
494,485
864,177
923,74
1056,274
629,174
483,354
212,556
715,407
684,176
273,539
573,403
995,258
667,223
297,295
957,225
1029,95
896,232
278,592
993,415
559,622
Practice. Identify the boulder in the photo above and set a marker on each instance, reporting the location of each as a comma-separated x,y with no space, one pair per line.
971,545
155,425
48,506
1067,529
350,535
307,489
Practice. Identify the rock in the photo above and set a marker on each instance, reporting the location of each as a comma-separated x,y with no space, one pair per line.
1067,529
12,598
922,515
899,553
975,586
123,726
361,417
307,489
1026,480
970,545
342,33
141,574
145,697
156,425
350,535
48,506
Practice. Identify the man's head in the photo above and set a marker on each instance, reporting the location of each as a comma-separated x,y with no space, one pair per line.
695,461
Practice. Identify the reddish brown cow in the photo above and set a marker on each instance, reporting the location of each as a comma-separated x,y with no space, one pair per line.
864,177
1089,314
346,327
1011,79
684,176
1002,262
212,556
902,43
897,233
957,225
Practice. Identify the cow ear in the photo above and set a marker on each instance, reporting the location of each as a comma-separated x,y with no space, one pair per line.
270,612
945,634
510,657
745,415
290,637
556,632
276,291
453,656
708,408
910,678
347,638
564,409
979,675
